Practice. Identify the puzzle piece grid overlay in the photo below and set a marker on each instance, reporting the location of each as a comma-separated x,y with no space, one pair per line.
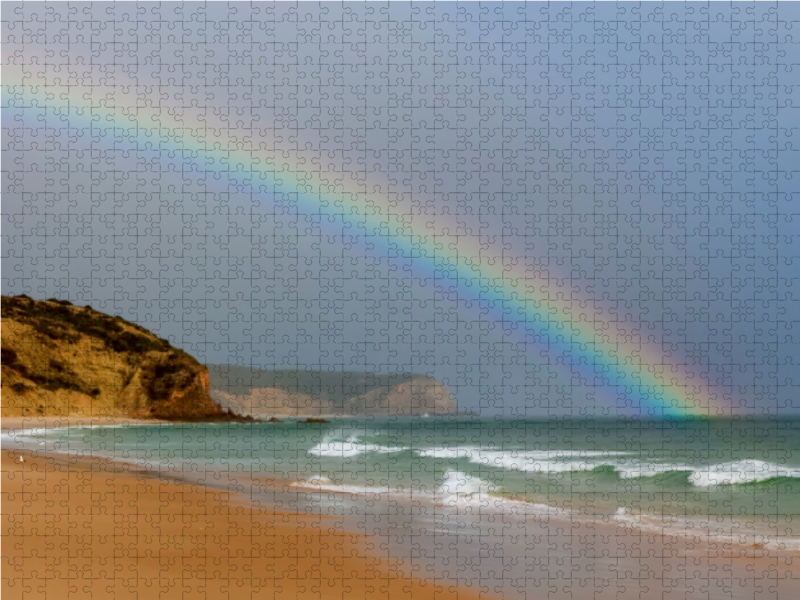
558,209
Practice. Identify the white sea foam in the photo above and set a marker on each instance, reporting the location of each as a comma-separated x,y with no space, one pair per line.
457,491
40,436
531,461
35,433
460,489
335,444
351,447
733,532
459,484
738,472
661,524
477,451
626,466
320,483
455,487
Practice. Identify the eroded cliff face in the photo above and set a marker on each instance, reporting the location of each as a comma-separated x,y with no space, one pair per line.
60,359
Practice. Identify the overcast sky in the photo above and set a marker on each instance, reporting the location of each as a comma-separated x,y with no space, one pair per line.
638,160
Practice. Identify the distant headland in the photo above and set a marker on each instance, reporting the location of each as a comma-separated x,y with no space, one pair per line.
301,393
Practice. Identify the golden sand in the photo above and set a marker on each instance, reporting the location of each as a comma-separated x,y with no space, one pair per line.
94,528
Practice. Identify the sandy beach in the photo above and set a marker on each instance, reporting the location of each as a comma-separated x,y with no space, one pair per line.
95,528
88,527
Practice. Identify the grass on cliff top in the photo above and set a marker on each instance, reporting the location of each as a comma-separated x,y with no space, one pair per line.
60,320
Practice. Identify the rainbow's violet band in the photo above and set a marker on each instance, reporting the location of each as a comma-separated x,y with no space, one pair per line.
636,377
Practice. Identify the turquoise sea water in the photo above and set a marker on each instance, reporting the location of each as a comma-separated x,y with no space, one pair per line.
732,481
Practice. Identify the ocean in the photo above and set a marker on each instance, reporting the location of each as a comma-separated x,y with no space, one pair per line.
423,484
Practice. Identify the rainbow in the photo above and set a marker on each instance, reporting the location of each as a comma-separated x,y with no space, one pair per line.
556,319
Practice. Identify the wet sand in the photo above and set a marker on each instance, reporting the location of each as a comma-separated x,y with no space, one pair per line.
95,528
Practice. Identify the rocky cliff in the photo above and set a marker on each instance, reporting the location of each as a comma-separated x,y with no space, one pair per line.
264,393
60,359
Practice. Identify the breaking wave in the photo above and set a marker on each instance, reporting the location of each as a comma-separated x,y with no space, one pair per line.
740,472
336,444
624,465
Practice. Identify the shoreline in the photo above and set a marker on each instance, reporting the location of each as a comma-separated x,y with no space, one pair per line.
186,510
8,425
104,528
632,523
